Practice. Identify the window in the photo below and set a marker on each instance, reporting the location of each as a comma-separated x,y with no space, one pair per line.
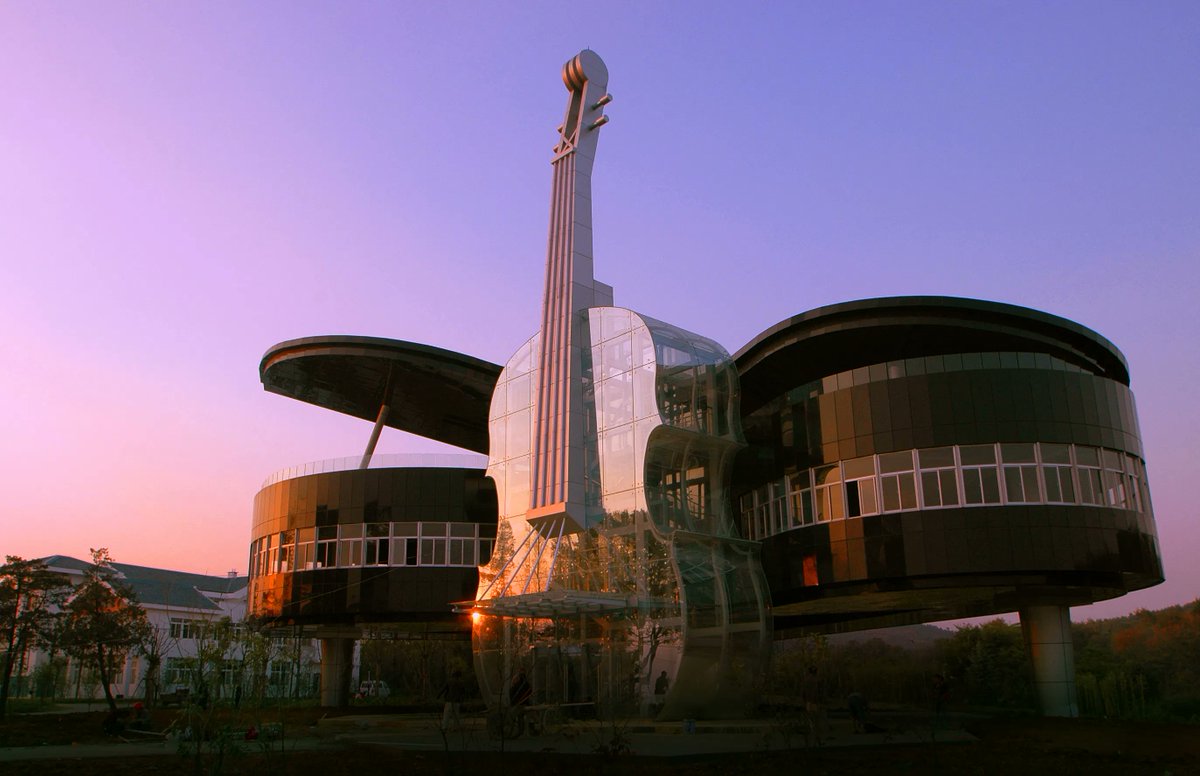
800,485
746,510
376,545
266,563
939,481
1133,478
462,544
1057,474
462,552
177,671
828,493
697,488
433,552
981,483
1020,473
809,570
350,545
326,547
1114,479
433,544
287,542
280,674
272,555
231,671
897,481
1087,461
404,544
860,486
184,629
762,512
411,545
304,549
777,507
951,476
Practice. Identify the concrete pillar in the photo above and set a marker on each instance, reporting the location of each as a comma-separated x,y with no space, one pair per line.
379,421
337,658
1047,632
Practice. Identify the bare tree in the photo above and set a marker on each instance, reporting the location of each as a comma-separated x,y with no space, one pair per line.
156,643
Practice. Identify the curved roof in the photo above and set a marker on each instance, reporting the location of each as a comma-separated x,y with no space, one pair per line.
838,337
431,392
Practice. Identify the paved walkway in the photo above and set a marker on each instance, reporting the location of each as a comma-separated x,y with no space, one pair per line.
142,749
641,737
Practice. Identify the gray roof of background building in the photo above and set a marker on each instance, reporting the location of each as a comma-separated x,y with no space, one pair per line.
164,587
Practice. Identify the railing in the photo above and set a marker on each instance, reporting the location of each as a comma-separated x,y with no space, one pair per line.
382,461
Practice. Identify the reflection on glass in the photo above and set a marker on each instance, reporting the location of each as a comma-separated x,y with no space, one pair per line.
658,580
1056,480
828,493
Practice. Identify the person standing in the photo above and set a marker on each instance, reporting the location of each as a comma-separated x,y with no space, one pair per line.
941,694
520,693
856,702
661,685
141,717
814,705
455,692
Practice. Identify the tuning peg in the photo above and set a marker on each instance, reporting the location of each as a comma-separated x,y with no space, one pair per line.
605,100
598,123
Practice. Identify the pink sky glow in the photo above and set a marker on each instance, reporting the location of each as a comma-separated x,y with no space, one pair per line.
183,185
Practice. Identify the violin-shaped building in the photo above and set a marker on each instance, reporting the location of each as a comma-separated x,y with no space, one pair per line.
651,506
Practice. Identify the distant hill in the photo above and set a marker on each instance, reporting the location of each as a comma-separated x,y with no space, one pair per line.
906,636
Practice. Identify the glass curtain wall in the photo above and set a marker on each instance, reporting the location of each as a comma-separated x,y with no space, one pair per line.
660,581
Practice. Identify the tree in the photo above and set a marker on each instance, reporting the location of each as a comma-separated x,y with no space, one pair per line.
29,598
156,643
988,665
103,621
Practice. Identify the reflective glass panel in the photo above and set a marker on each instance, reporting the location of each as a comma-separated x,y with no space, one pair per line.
936,457
896,462
977,454
1017,453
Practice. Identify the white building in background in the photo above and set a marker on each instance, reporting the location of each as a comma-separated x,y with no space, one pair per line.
179,605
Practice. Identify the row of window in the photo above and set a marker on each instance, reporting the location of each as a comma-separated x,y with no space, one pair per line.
180,628
185,629
944,477
181,672
372,544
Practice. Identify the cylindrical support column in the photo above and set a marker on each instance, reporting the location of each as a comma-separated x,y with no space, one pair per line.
337,659
379,421
1047,632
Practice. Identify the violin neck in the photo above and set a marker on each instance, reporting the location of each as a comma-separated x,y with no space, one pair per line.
556,497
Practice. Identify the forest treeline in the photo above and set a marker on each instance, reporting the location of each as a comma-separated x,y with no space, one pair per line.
1142,666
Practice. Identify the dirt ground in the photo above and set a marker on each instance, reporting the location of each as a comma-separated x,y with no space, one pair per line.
1005,746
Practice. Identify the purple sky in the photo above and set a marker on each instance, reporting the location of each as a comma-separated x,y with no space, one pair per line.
183,185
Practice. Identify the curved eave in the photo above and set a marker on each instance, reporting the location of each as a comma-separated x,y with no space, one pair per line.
844,336
431,392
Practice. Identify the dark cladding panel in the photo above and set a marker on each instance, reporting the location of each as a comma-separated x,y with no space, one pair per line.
868,378
386,588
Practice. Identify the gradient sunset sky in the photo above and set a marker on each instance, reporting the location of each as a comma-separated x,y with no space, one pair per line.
182,185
